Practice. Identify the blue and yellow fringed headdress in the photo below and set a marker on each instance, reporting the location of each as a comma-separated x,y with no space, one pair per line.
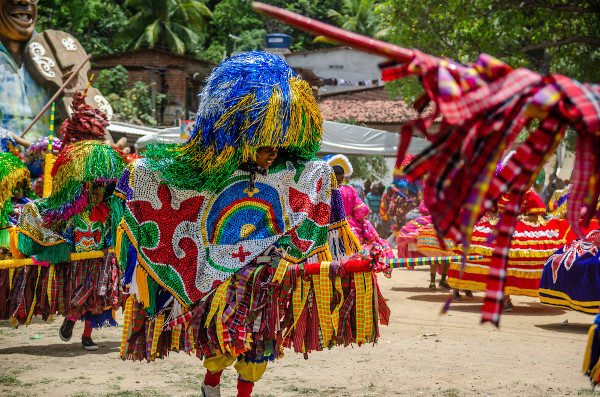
76,170
12,170
251,100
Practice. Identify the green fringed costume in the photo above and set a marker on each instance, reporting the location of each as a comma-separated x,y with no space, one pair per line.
49,230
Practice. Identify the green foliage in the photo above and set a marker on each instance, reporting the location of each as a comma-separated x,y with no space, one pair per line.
177,25
93,22
135,105
213,53
358,16
369,167
548,37
112,81
236,17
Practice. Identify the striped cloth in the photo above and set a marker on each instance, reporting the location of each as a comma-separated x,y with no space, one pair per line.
484,109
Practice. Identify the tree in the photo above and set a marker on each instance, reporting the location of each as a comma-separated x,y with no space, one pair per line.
93,22
177,25
236,17
359,16
133,105
552,36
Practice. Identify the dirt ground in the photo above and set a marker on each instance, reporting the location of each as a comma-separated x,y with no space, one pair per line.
421,353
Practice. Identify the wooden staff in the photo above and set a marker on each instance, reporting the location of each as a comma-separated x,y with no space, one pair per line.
355,40
60,90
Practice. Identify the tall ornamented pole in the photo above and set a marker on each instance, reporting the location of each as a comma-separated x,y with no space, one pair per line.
88,85
49,162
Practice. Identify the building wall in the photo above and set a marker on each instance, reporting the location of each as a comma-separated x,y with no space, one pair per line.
340,63
172,77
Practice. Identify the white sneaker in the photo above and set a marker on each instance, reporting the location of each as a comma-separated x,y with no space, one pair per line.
211,391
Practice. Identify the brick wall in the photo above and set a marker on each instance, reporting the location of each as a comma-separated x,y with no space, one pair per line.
171,74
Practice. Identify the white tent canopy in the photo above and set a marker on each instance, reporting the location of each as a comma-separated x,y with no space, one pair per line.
337,138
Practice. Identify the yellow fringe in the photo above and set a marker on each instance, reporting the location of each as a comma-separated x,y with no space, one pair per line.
8,183
141,278
32,308
335,315
217,306
51,276
14,243
49,163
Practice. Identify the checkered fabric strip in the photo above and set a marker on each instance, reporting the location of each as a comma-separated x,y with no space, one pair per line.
345,314
582,107
314,339
323,297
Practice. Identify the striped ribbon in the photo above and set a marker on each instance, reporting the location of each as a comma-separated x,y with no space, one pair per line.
126,324
158,323
396,263
359,284
323,295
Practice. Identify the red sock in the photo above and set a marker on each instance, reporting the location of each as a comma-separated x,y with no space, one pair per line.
211,379
244,387
87,330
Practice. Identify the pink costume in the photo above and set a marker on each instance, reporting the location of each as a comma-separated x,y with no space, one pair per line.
356,211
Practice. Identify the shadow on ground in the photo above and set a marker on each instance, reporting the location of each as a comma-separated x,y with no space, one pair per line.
572,328
68,349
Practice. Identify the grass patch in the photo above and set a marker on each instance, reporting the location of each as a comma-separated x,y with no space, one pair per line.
451,392
9,380
587,392
143,393
301,390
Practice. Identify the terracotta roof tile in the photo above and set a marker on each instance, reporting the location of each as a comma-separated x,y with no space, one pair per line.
367,111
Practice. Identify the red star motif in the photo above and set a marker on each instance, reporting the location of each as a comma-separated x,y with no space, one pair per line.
166,218
241,254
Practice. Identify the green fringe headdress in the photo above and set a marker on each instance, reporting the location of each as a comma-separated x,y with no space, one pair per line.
76,170
251,100
12,170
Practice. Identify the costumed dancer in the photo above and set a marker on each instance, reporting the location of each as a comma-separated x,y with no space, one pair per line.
399,198
216,232
355,209
14,194
74,219
533,241
571,276
418,239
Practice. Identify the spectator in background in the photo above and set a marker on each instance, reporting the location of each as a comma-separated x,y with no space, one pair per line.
373,201
554,183
367,186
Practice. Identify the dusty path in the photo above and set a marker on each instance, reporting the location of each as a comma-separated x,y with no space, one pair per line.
531,354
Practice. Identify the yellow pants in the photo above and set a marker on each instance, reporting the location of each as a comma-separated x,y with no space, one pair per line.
250,372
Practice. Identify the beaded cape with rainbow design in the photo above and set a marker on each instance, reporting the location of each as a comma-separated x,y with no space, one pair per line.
187,213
